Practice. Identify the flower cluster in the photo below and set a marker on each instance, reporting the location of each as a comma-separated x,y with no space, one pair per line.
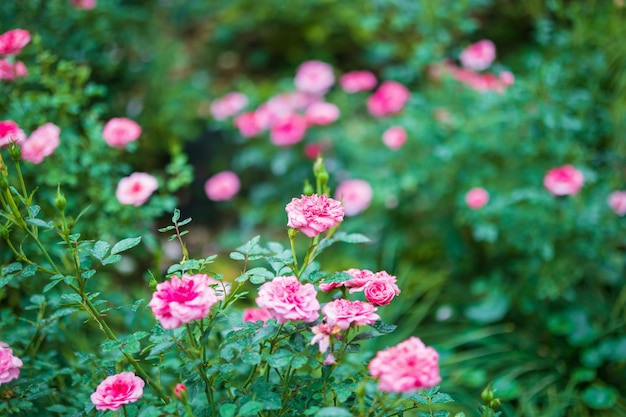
11,44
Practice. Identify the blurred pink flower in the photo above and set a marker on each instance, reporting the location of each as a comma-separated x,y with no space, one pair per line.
41,143
136,189
313,150
287,131
507,78
10,132
117,390
564,180
254,314
182,300
222,186
229,105
247,124
120,131
394,137
355,195
406,367
321,113
180,390
10,71
314,77
380,292
476,198
9,364
322,333
355,81
478,56
330,359
314,214
389,99
84,4
12,42
343,313
617,202
287,299
479,82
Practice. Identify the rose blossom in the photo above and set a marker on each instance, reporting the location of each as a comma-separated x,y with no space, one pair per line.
478,56
254,314
355,81
360,277
9,365
117,390
289,130
12,42
564,180
120,131
84,4
617,202
247,124
343,313
355,196
314,214
11,71
229,105
10,132
394,137
322,333
287,299
314,77
380,292
406,367
322,113
222,186
41,143
476,198
136,189
182,300
389,99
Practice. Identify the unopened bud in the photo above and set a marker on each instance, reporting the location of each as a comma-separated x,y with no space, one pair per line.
308,188
59,200
180,390
4,183
487,394
494,404
292,233
4,232
153,284
15,151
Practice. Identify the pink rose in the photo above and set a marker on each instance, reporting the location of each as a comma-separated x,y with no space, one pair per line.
380,292
10,132
394,137
84,4
617,202
136,189
117,390
182,300
360,277
479,56
406,367
120,131
12,42
355,195
9,365
222,186
321,113
343,313
254,314
41,143
229,105
564,180
389,99
247,124
314,214
11,71
289,130
314,77
355,81
507,78
287,299
476,198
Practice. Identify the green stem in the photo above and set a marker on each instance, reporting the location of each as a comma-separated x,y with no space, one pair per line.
21,178
293,253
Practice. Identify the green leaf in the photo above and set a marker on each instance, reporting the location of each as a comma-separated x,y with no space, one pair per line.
600,398
51,285
39,223
100,249
384,328
333,412
251,358
249,245
111,259
33,210
227,410
370,334
125,244
280,358
442,398
29,271
251,408
88,274
166,229
338,277
237,256
176,216
352,238
13,267
184,222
